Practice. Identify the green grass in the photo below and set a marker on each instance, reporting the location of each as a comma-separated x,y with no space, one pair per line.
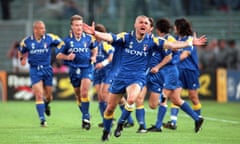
19,124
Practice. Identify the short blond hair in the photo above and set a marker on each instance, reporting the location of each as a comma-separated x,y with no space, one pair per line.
76,17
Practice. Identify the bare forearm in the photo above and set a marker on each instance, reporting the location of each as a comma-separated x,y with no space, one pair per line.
177,45
104,36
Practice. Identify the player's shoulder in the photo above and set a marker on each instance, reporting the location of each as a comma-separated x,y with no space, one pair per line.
52,36
170,38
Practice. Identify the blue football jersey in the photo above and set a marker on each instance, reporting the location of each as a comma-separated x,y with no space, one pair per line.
134,56
104,50
157,54
191,62
39,52
81,48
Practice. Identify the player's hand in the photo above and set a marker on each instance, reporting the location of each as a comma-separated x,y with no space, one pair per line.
154,70
71,56
93,59
89,29
199,41
23,61
99,66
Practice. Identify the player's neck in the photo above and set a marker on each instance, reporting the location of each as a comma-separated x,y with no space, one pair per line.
140,36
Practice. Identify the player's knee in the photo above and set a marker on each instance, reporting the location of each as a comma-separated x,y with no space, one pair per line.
153,105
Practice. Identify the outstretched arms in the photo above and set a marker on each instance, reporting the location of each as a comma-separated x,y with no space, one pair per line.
103,36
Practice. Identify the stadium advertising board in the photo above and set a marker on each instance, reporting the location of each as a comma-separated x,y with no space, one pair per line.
233,85
18,87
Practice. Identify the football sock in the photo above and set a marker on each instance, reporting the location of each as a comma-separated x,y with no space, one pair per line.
40,106
187,109
140,115
129,119
107,122
197,108
85,108
160,116
125,113
174,113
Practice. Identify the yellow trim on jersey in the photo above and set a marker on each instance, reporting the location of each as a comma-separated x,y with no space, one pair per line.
60,44
121,35
85,99
107,47
190,39
140,107
108,117
197,107
22,43
53,36
174,106
156,40
171,39
39,102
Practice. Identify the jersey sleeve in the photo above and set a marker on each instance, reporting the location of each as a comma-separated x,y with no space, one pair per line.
23,46
190,48
56,40
159,42
118,38
108,48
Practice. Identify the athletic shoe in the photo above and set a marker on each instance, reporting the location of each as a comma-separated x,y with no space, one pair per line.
170,125
128,125
86,124
43,123
154,129
118,130
47,110
100,125
141,129
198,124
105,136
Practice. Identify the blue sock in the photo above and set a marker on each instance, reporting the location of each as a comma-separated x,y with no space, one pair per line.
41,109
187,109
107,124
160,116
198,112
129,119
140,115
125,114
174,114
85,110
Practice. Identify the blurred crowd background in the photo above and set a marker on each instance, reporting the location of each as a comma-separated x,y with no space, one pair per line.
219,20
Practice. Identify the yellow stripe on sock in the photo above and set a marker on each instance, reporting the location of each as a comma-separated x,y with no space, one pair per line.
140,107
174,106
39,102
85,99
197,107
108,116
129,107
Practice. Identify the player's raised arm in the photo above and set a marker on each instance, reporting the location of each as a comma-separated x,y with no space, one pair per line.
180,44
103,36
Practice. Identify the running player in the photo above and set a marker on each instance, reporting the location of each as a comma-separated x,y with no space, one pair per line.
103,67
188,69
37,48
79,53
132,74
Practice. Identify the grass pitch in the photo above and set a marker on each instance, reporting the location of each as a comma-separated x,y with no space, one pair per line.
19,124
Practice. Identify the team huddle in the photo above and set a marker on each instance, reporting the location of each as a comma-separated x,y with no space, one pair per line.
126,64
